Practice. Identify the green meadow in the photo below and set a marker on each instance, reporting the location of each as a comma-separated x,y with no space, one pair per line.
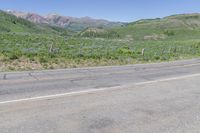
28,46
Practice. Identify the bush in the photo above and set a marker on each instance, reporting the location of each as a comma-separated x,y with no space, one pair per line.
43,60
125,51
169,33
4,29
156,57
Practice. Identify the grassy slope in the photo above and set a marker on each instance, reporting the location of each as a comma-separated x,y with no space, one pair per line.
183,26
171,38
12,24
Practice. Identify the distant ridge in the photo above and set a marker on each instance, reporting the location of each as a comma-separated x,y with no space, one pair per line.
72,23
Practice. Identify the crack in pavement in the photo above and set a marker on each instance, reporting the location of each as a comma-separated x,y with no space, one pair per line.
33,76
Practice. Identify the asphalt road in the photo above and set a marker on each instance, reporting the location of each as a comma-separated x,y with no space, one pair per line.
152,98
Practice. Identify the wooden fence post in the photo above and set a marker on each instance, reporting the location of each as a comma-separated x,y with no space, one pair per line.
143,50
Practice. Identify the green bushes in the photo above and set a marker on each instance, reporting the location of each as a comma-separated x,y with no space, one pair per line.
80,51
3,29
99,33
125,51
169,33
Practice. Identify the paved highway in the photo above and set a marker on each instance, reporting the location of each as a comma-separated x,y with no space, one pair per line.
149,98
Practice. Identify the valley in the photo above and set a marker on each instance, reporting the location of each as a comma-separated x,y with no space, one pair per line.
29,45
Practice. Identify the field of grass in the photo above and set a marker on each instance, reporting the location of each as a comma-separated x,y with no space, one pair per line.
27,52
25,46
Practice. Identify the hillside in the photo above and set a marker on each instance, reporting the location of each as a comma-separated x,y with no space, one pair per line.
12,24
98,33
28,46
71,23
183,26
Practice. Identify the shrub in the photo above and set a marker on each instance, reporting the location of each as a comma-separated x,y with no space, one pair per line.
43,60
169,33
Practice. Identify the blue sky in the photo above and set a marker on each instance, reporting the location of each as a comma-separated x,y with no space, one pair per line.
116,10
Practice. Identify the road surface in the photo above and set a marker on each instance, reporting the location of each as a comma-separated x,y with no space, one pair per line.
149,98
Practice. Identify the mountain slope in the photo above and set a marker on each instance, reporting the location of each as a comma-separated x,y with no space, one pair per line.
98,33
13,24
72,23
10,23
183,26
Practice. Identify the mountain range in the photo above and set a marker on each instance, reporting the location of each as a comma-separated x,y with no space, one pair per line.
71,23
170,27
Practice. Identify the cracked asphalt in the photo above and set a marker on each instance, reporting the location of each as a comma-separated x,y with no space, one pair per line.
165,106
